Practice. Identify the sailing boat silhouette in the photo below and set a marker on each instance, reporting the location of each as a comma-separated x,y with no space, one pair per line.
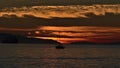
59,46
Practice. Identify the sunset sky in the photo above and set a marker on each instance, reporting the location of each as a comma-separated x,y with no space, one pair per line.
70,20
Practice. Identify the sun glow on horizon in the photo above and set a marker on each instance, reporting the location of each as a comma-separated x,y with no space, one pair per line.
37,32
77,34
61,40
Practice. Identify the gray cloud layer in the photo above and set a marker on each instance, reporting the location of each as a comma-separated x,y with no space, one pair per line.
75,15
19,3
73,11
34,22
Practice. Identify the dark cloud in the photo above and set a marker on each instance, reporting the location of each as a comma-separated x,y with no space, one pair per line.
109,19
71,11
19,3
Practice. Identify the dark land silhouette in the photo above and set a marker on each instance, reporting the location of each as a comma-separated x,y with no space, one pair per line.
9,38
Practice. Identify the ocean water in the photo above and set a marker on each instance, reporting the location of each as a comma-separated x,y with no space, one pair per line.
47,56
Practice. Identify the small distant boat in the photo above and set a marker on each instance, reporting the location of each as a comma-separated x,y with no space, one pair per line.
59,46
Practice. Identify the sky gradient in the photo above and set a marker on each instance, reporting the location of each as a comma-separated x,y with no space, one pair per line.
70,20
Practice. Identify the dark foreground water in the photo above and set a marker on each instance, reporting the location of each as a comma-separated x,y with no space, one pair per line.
46,56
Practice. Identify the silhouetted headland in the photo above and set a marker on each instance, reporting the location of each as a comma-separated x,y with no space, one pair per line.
9,38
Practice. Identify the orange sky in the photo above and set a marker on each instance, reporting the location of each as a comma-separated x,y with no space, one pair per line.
95,23
83,33
71,11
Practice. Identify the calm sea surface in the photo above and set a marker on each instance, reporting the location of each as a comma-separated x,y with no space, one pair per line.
46,56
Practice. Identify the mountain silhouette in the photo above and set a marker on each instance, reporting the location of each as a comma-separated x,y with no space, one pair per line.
9,38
